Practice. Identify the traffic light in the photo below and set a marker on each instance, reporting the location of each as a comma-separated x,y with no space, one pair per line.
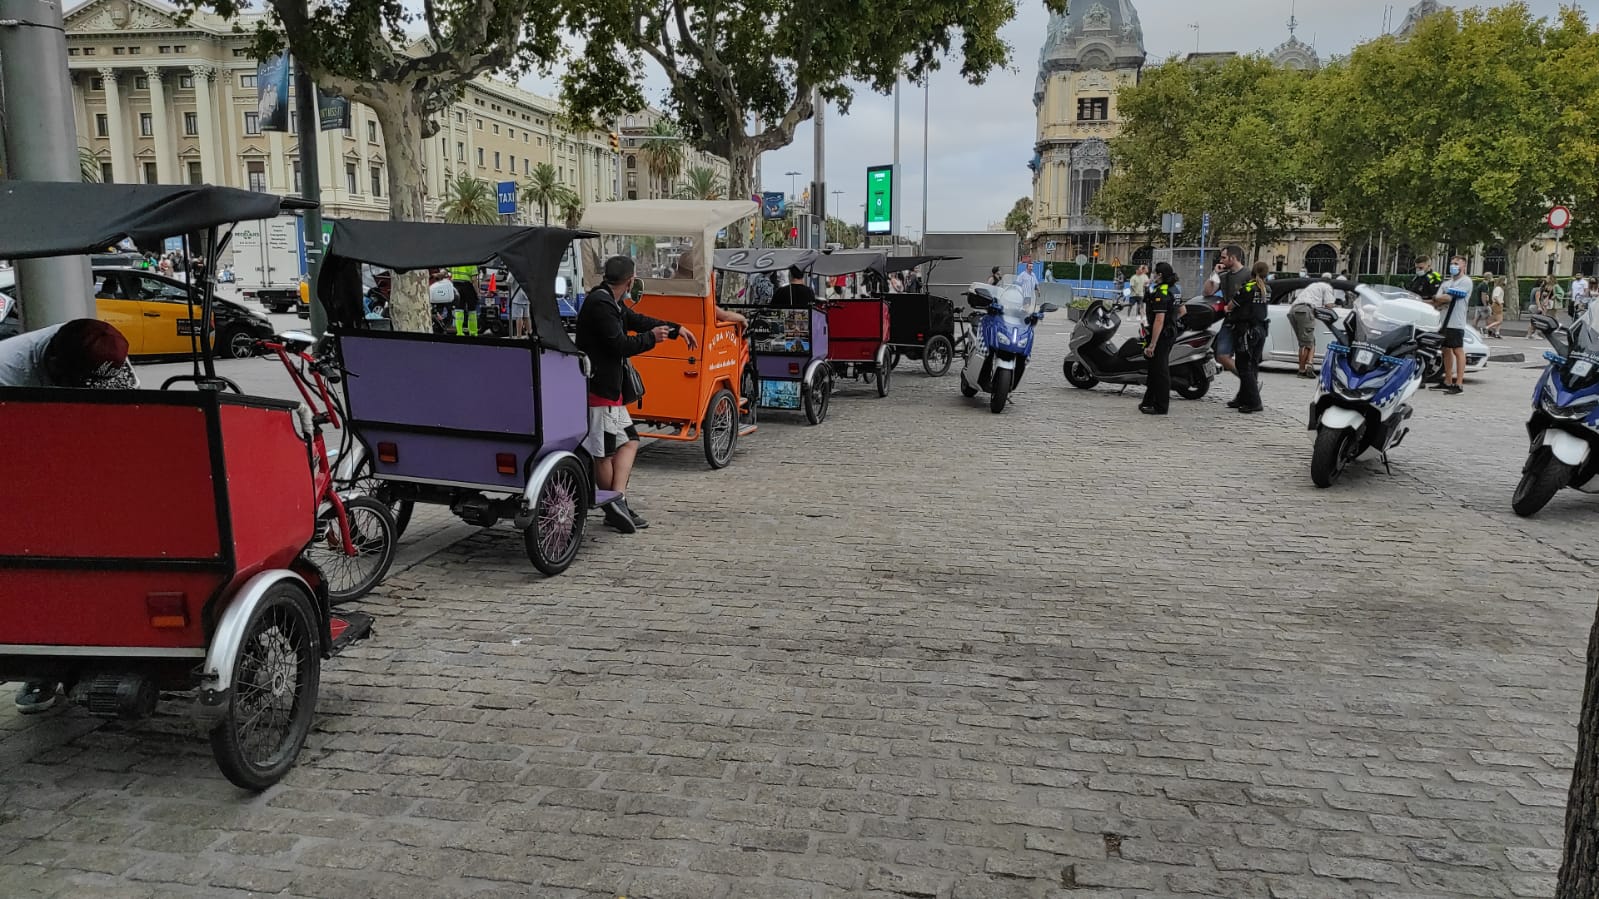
793,233
1097,248
752,230
616,142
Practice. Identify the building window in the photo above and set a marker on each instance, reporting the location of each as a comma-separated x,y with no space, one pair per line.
191,124
247,79
72,51
164,48
480,124
150,176
541,140
135,51
255,176
237,51
560,173
1093,109
141,83
527,166
632,195
1320,259
632,161
510,132
349,177
195,177
105,173
97,84
252,123
480,157
371,132
496,160
101,126
118,51
512,166
460,116
632,179
88,51
180,48
186,82
496,128
460,152
296,168
294,122
524,137
377,181
146,125
1495,262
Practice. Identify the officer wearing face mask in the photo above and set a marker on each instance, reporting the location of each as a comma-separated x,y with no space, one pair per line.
1427,281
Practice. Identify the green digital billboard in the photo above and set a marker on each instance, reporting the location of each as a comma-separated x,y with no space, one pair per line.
880,199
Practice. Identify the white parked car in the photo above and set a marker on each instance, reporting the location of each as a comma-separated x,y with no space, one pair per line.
1281,347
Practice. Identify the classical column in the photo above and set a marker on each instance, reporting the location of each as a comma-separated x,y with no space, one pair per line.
208,129
165,159
121,170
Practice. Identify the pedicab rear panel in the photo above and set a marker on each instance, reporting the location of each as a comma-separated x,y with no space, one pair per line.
914,318
126,515
857,329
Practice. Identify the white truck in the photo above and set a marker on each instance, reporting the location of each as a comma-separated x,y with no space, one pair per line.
979,252
269,261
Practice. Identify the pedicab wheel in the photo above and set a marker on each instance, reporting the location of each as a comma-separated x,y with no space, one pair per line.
749,389
817,398
365,484
893,357
936,356
967,390
557,530
1001,392
275,681
1078,376
721,428
882,373
373,534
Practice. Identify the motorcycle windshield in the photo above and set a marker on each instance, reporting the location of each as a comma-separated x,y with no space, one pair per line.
1388,324
1584,339
1015,305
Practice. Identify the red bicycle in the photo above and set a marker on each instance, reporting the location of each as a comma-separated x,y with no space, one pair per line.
356,536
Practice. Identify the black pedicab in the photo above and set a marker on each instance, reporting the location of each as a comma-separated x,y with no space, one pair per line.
924,326
154,540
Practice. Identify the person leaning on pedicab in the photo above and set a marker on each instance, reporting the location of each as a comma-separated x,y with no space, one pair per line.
83,353
603,326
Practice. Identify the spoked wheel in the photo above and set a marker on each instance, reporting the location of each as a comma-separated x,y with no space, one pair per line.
372,533
721,428
893,357
1331,455
1001,392
1545,476
557,529
749,389
937,355
967,388
366,485
818,397
881,375
1078,376
275,680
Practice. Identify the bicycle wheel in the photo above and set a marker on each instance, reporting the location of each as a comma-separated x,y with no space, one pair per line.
372,533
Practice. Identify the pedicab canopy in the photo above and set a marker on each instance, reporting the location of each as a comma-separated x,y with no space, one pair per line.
906,263
697,220
533,256
849,262
756,261
69,218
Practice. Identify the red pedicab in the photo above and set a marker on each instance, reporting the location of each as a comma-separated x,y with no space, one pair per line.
858,327
154,538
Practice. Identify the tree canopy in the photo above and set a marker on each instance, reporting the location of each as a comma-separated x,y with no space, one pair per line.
1020,218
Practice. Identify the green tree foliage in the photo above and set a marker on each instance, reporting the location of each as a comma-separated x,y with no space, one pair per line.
1020,218
1208,137
662,152
469,201
543,188
731,62
700,183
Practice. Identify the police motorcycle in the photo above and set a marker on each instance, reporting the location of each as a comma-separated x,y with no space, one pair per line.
1005,342
1372,368
1564,428
1095,357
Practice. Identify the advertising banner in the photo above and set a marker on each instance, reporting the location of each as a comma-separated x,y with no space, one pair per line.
880,199
272,83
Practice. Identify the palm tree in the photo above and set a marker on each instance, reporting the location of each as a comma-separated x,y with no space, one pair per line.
468,201
700,183
544,189
571,209
663,152
88,165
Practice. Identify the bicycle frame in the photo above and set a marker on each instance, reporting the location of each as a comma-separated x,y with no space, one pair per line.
322,478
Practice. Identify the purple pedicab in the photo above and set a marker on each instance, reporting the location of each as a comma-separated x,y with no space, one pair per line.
490,427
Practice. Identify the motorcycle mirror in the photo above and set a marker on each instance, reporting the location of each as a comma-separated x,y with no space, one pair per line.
1049,307
1543,324
1325,314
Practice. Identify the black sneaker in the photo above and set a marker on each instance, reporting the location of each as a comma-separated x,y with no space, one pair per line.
37,697
619,519
1454,390
1233,403
637,519
1250,410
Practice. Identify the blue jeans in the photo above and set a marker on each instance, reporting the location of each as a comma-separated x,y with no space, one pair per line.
1224,340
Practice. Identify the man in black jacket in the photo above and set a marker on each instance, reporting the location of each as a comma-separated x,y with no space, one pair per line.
603,326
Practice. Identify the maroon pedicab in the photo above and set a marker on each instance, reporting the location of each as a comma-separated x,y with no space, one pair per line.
154,539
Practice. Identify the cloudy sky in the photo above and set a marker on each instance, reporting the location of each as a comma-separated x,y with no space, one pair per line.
981,137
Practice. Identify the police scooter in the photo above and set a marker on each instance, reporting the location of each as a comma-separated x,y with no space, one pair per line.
1564,427
1370,372
999,359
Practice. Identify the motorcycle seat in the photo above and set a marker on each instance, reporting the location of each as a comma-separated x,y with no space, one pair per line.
1129,350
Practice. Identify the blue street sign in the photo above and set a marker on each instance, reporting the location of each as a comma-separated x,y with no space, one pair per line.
773,204
1204,229
507,194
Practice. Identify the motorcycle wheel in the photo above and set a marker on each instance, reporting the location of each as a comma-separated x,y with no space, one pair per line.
1001,392
1545,477
1077,375
1194,390
967,390
1330,455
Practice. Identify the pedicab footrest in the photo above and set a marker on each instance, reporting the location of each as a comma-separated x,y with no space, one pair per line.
601,497
347,627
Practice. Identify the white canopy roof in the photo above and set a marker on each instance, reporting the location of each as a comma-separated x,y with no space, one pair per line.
689,218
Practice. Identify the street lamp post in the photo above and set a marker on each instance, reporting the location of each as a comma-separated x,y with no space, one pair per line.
793,185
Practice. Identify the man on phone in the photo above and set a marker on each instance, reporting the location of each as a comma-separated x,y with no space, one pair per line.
1230,279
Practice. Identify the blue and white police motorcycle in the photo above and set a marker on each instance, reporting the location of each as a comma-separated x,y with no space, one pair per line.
1005,325
1372,367
1564,427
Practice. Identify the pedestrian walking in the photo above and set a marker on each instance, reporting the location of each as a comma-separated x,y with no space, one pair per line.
1161,320
1229,279
1452,298
1496,307
1139,283
1247,317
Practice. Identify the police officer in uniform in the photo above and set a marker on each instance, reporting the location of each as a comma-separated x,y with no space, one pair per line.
1160,315
1247,318
467,301
1427,282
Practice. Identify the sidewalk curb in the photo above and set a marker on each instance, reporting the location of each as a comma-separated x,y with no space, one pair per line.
1507,357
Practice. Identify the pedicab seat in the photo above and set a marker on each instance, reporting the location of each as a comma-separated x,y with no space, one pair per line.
115,497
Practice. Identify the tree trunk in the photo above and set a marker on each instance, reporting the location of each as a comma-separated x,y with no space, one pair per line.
401,117
740,183
1512,287
1579,871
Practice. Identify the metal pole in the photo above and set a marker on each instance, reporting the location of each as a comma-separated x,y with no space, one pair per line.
927,104
310,189
819,166
41,144
893,199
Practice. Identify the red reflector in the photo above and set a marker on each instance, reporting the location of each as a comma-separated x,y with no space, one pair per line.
505,463
167,610
388,453
793,368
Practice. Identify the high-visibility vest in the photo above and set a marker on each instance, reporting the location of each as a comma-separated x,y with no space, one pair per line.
463,272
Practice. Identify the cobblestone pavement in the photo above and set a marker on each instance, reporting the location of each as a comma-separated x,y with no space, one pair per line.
918,651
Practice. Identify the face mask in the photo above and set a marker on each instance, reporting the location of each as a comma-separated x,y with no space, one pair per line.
1454,269
1421,271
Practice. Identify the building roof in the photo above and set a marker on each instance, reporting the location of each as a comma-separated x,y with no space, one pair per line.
1094,34
1418,12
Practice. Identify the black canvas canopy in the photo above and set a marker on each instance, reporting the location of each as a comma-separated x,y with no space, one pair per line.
848,262
533,256
752,260
906,263
68,218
